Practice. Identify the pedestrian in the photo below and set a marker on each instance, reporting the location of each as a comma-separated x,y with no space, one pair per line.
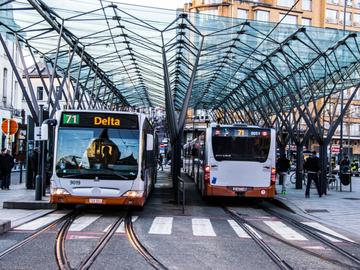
312,166
344,173
282,168
6,164
161,160
33,168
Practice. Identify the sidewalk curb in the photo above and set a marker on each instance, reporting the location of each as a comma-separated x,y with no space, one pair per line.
28,205
5,225
287,205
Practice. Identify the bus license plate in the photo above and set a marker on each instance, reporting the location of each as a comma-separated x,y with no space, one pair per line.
96,201
240,189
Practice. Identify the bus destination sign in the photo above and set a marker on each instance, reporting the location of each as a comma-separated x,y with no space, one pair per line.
90,119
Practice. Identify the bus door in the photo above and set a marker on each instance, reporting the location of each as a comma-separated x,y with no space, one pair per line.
240,157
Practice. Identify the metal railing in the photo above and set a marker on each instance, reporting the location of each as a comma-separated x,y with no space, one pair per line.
181,189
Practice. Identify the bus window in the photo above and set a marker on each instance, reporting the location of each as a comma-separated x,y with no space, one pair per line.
240,146
107,153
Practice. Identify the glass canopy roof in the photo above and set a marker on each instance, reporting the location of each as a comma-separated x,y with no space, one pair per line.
241,64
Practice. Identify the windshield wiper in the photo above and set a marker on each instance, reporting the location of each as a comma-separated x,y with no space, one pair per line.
93,176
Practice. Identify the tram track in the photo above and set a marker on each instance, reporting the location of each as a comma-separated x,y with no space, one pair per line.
315,233
34,235
282,264
135,242
60,250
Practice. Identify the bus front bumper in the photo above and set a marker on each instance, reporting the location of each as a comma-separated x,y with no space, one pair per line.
71,199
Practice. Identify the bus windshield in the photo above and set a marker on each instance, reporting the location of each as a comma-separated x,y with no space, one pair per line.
97,153
241,144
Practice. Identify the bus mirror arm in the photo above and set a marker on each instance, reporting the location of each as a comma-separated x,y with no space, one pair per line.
50,122
45,128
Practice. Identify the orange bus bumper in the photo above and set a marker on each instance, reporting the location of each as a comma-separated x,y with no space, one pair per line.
255,192
65,199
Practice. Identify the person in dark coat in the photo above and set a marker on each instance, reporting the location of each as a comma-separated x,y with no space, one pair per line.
6,164
33,167
345,173
312,166
282,167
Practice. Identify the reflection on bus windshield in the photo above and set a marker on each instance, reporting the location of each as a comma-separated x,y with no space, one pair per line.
105,153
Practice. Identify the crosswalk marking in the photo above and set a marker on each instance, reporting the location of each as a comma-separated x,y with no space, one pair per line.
253,230
40,222
238,230
121,228
202,227
321,227
82,222
161,225
284,231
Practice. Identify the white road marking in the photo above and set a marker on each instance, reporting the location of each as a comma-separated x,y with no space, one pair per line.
161,225
253,230
121,228
82,222
40,222
284,231
321,227
315,247
238,230
202,227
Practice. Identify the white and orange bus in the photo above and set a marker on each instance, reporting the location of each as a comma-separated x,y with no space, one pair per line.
102,157
233,160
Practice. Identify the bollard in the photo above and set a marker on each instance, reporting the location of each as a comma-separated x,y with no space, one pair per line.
38,188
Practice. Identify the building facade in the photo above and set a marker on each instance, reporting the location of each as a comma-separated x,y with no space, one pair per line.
317,13
10,92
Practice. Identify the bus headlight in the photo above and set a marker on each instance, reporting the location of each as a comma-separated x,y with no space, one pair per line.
133,194
59,191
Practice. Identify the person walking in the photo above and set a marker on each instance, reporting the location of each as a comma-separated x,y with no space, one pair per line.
344,172
6,164
33,168
282,167
161,160
312,166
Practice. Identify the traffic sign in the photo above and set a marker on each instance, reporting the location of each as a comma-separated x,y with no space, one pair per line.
9,126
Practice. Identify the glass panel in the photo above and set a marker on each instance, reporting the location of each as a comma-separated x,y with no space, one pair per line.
240,144
105,153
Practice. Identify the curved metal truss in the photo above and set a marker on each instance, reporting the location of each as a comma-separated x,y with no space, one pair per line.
119,56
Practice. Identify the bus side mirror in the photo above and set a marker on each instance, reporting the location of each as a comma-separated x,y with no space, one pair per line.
44,132
149,142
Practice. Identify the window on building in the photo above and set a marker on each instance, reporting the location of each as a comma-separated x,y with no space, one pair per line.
306,21
209,2
356,3
356,19
348,2
334,2
286,3
306,4
209,12
347,18
288,19
331,16
242,13
5,80
40,93
262,15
